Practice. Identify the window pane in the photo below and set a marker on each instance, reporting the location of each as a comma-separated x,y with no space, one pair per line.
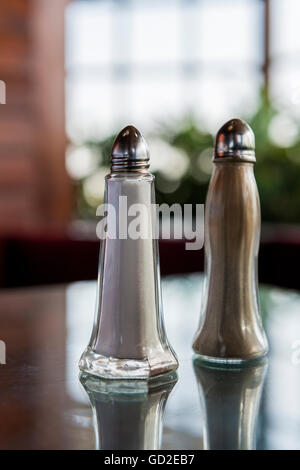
156,99
156,33
88,38
89,111
285,50
225,97
285,29
285,87
230,31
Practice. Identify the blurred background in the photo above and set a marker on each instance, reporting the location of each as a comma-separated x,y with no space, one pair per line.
77,71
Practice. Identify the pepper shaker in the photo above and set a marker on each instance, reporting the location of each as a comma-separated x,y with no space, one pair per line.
230,329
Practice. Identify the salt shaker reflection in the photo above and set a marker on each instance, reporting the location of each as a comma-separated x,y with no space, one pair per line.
230,401
128,414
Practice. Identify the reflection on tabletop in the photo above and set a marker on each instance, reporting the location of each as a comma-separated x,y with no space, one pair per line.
230,399
44,406
128,414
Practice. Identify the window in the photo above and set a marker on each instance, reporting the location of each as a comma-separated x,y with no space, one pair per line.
148,62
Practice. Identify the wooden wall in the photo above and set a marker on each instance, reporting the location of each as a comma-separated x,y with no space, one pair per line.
34,188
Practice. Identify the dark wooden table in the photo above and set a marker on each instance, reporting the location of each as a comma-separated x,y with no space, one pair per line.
44,406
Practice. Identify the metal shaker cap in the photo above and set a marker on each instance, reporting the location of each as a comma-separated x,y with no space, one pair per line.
235,142
129,151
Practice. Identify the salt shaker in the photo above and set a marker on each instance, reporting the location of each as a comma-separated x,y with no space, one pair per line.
128,339
230,329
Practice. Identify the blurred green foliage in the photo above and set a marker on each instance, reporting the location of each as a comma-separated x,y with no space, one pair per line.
277,169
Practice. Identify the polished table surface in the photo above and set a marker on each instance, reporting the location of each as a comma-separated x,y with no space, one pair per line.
43,405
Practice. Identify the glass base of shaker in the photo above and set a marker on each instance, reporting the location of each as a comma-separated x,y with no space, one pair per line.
229,362
129,369
127,387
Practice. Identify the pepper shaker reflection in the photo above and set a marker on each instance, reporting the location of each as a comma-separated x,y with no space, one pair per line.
128,338
230,329
230,399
